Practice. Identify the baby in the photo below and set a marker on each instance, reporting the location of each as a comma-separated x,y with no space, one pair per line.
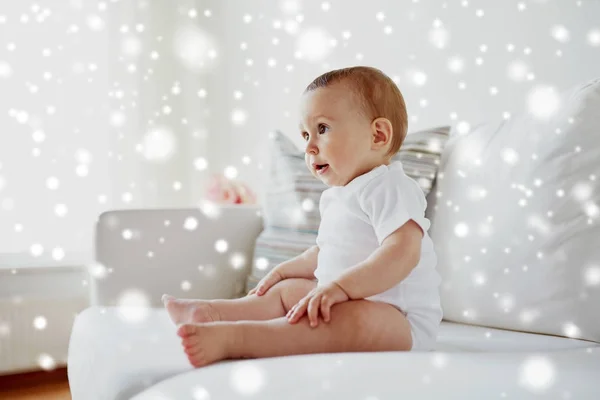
369,283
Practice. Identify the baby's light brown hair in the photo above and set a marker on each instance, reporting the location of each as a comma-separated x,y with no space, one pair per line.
377,95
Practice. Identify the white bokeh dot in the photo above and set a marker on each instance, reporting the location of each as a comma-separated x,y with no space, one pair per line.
200,393
461,229
127,234
510,156
97,270
560,33
5,69
463,127
52,183
239,117
314,44
582,191
479,278
95,23
40,322
133,305
591,275
543,101
210,209
593,37
190,223
439,360
231,172
4,329
261,263
194,47
528,316
60,210
439,37
308,205
592,210
571,330
46,362
82,170
36,249
38,136
221,246
58,253
247,378
186,286
456,64
419,78
237,261
537,374
200,163
517,70
159,145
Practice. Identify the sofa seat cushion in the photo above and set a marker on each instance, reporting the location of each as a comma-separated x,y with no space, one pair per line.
111,357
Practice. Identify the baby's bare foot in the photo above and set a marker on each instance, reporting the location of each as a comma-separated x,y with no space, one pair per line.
184,311
206,343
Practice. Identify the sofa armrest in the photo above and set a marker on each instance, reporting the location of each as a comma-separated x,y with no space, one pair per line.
141,254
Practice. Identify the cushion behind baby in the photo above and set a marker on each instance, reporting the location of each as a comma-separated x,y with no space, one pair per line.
516,223
291,207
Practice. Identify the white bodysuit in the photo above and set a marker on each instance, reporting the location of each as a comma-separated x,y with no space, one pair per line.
356,218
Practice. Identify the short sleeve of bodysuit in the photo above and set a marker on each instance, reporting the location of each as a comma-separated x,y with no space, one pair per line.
388,204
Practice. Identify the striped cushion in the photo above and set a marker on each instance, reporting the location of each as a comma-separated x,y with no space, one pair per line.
420,155
291,209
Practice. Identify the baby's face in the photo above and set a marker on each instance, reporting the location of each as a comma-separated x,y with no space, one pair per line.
337,135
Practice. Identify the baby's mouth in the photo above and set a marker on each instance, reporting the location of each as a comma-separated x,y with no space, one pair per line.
322,168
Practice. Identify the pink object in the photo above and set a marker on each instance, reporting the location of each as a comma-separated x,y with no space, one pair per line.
227,191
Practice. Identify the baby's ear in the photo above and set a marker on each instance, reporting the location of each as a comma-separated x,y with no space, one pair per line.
381,133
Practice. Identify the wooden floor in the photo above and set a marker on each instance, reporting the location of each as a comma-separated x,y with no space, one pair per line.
52,385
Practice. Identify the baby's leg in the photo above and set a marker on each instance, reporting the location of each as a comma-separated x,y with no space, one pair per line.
358,325
273,304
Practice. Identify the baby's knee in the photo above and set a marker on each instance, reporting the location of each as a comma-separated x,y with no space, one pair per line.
293,284
292,290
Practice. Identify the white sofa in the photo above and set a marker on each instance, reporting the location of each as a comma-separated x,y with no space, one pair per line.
125,346
518,333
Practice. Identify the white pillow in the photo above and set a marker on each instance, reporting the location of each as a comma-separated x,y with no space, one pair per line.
516,220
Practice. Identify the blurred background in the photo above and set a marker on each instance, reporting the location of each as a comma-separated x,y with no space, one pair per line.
135,104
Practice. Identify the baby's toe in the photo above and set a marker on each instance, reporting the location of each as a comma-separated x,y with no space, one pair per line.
196,361
190,342
166,298
187,330
197,356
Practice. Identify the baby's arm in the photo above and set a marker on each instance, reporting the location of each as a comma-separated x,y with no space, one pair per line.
387,266
301,266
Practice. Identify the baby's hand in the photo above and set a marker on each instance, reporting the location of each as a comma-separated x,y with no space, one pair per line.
320,298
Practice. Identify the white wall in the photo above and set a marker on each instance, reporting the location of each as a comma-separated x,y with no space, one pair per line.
270,94
80,90
77,88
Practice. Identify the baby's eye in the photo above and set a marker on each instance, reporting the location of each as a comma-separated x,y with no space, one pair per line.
305,135
322,128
